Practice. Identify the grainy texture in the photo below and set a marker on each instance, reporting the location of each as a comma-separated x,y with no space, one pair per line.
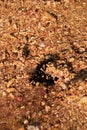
43,65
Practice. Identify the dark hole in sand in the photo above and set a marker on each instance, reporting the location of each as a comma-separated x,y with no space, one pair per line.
39,74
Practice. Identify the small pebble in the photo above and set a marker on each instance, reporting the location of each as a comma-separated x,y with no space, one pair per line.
40,113
43,103
63,86
71,59
9,90
47,108
42,44
10,82
22,128
19,98
31,127
4,94
25,122
22,107
11,95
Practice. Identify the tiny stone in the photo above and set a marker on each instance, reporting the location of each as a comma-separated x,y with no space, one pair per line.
47,108
14,26
31,127
22,128
22,107
63,87
9,90
11,95
10,82
40,113
37,84
42,44
19,99
43,103
56,125
71,59
53,93
4,94
25,122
